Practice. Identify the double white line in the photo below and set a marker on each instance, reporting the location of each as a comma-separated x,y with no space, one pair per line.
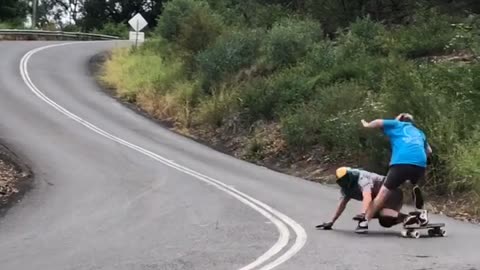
283,223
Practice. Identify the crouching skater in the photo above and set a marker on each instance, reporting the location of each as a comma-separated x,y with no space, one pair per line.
364,186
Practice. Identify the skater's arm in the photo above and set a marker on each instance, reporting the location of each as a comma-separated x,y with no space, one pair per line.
340,208
374,124
367,200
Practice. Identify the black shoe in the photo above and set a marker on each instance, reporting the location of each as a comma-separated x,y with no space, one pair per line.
419,217
362,227
412,219
423,217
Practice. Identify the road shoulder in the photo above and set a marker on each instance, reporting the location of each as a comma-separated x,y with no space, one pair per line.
16,178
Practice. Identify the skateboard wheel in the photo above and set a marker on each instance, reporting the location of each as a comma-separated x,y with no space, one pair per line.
443,232
415,234
404,233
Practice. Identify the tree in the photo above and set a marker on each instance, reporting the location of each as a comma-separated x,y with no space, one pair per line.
61,11
96,13
13,11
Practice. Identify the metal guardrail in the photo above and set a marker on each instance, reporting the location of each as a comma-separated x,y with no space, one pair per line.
25,34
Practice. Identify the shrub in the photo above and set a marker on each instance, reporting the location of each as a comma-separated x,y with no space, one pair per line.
248,14
465,165
186,95
192,24
330,118
364,37
114,29
199,29
6,25
289,41
429,35
228,55
213,109
71,28
321,57
268,97
265,16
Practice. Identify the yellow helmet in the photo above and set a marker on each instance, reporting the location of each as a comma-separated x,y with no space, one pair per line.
341,172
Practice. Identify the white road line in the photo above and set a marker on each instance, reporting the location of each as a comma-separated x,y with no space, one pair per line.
279,219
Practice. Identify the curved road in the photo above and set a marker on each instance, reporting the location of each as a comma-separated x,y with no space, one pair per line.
113,190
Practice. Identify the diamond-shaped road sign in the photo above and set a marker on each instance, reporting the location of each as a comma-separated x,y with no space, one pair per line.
138,22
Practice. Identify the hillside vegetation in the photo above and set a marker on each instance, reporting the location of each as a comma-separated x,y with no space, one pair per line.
296,77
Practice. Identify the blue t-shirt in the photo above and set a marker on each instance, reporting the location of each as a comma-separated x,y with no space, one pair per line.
408,143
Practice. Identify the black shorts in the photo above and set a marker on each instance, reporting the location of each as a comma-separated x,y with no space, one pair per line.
399,174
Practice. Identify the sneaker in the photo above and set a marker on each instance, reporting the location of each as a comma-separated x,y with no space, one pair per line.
410,220
423,217
362,227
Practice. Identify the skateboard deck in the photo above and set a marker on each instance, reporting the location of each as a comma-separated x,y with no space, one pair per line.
433,229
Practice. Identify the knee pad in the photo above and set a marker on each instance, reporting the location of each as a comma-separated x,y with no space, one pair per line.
387,222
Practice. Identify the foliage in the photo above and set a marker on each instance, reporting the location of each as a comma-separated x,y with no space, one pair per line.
284,70
131,73
289,41
411,40
190,24
232,52
13,12
113,29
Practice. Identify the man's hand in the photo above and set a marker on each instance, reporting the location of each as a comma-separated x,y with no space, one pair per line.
359,217
364,123
325,226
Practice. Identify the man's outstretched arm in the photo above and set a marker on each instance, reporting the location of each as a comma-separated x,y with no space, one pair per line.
340,208
378,123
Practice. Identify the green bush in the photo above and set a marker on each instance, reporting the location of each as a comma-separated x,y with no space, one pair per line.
114,29
329,118
268,97
172,16
289,41
199,29
187,95
429,35
193,25
364,37
214,108
228,55
7,25
321,57
465,165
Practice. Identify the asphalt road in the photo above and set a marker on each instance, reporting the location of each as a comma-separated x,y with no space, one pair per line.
114,190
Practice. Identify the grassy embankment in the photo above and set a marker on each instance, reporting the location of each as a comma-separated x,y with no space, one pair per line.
276,90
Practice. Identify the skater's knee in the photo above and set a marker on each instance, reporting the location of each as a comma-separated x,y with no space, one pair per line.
387,221
383,194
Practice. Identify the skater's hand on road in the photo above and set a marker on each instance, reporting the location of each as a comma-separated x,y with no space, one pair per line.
325,226
359,217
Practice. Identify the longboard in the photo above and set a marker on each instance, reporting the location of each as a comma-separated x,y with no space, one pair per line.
433,229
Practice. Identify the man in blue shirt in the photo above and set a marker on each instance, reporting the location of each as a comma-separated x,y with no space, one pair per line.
408,162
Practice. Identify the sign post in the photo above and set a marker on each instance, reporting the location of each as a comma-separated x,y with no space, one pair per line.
137,23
